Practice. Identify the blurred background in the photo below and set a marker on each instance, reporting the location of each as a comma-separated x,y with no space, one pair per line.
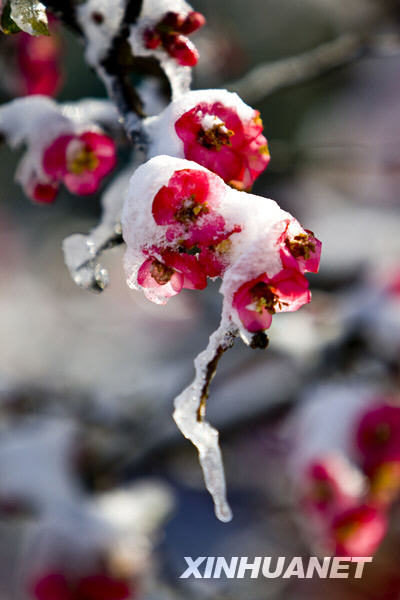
95,480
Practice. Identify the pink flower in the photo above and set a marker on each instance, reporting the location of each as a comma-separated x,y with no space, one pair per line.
80,161
324,492
42,193
183,50
55,586
378,435
170,34
393,286
188,205
358,531
384,479
214,254
172,272
300,249
38,59
214,136
257,300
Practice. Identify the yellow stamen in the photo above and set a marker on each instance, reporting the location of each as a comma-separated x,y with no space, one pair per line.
83,160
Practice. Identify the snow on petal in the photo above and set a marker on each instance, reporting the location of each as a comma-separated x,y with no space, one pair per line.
216,129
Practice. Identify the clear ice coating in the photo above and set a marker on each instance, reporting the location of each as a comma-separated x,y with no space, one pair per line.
81,252
198,431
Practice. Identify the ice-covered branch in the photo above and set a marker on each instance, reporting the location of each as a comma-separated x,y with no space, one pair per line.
268,78
82,252
209,375
189,416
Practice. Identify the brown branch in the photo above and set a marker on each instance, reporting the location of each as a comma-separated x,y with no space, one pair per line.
210,373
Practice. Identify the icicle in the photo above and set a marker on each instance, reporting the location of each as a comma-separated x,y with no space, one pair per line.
189,417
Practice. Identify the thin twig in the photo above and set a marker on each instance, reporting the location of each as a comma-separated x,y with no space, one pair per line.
210,373
268,78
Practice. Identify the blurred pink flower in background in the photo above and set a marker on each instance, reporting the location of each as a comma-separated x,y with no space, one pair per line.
80,161
56,586
38,59
358,531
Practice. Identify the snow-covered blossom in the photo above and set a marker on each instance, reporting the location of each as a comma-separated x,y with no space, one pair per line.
171,33
161,31
56,586
167,272
260,298
216,129
182,236
358,531
63,145
182,224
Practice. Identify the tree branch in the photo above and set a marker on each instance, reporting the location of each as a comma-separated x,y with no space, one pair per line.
268,78
211,370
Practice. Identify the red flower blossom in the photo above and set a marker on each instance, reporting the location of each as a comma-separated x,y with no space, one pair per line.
170,34
214,136
56,586
358,531
300,248
170,273
183,50
257,300
384,481
80,161
324,490
188,206
38,59
378,435
42,193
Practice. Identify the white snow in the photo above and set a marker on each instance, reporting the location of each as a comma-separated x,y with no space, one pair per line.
99,36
